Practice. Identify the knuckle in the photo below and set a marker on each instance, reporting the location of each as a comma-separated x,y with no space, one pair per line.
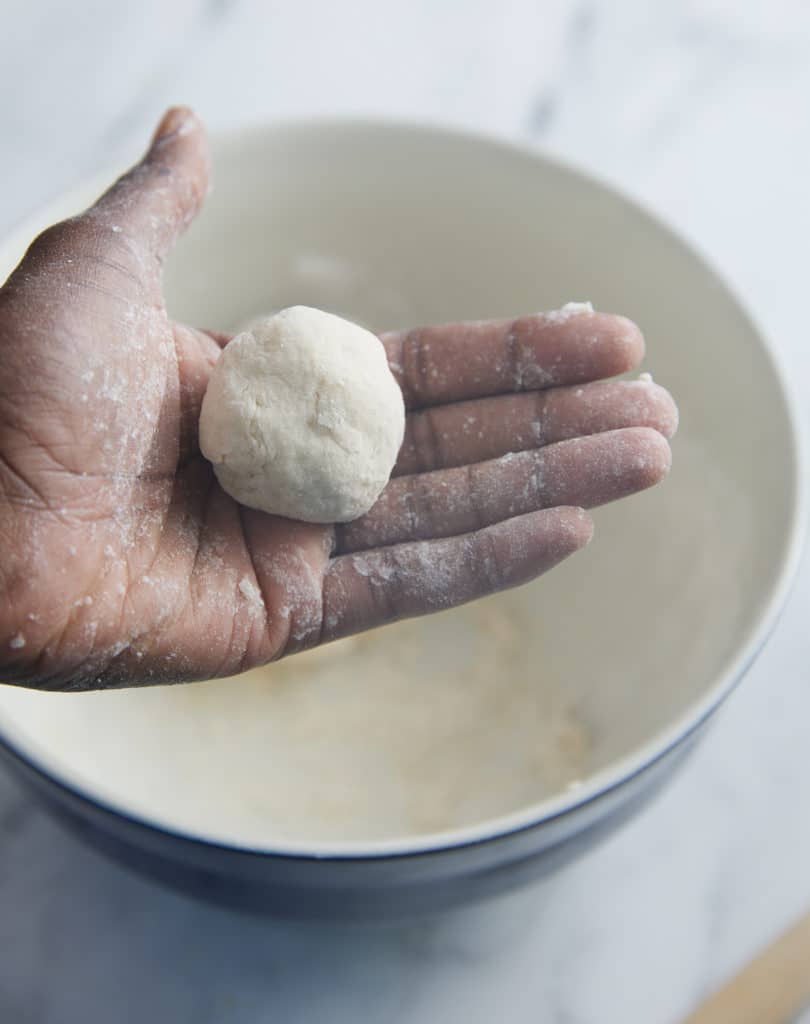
428,441
58,239
491,563
420,509
515,357
474,498
415,364
538,426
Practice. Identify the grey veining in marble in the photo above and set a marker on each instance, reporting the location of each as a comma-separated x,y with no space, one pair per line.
700,109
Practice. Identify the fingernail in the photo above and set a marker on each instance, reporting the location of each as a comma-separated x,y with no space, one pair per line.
176,121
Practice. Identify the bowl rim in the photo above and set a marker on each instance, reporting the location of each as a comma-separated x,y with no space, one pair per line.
617,773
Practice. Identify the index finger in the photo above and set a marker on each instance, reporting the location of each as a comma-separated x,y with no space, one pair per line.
453,362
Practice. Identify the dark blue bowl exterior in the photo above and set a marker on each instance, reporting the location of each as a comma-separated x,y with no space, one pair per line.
375,888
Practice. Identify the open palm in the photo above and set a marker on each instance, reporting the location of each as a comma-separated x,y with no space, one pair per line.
123,562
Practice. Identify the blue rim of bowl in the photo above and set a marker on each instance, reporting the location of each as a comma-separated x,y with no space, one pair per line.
648,754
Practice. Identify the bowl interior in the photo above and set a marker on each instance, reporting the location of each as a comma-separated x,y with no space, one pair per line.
571,681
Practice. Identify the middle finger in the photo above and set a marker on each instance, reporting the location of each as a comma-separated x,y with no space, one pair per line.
465,432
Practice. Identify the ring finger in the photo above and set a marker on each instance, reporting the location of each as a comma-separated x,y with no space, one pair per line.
583,472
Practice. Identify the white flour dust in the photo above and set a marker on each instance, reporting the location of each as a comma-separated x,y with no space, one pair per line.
418,727
566,312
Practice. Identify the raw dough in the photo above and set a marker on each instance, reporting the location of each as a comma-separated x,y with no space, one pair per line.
302,417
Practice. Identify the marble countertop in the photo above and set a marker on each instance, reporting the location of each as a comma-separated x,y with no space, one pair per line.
701,111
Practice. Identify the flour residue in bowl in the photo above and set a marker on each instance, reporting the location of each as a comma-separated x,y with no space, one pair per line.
421,726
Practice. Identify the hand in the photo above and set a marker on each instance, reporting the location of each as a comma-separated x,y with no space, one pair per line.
123,562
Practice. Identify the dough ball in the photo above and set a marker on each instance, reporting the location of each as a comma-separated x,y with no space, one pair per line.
302,417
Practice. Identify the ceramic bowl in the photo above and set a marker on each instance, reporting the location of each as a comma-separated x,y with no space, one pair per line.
604,673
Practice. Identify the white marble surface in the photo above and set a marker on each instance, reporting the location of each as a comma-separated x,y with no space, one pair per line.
701,110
